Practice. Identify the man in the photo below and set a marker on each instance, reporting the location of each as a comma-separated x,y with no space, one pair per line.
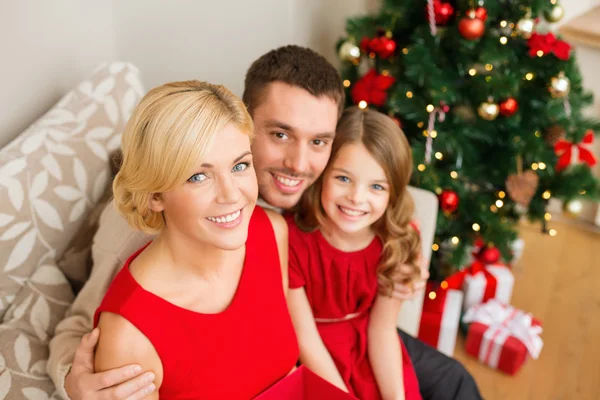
295,98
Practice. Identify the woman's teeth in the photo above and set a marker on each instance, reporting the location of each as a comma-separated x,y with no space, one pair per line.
225,218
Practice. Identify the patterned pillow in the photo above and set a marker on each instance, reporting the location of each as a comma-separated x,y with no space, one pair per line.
55,171
27,328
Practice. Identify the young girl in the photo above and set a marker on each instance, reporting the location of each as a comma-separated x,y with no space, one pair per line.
352,229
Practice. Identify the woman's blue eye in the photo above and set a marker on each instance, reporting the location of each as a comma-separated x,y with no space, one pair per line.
241,166
342,178
197,178
378,187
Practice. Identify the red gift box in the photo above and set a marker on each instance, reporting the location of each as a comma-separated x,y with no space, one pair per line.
441,317
502,336
304,384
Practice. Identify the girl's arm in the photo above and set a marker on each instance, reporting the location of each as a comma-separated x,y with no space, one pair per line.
385,354
313,352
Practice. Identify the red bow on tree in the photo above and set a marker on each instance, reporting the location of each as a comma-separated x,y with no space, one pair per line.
571,153
548,43
372,88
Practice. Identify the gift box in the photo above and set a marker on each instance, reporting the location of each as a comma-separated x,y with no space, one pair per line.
440,317
303,384
502,336
485,282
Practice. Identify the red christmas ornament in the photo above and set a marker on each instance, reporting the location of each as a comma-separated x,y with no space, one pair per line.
449,201
388,48
383,46
509,107
471,27
481,13
443,12
489,255
372,88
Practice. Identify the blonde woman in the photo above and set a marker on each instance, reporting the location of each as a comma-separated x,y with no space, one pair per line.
203,305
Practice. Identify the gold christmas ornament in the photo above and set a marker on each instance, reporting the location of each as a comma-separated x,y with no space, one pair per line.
554,14
573,208
349,52
560,86
488,110
525,27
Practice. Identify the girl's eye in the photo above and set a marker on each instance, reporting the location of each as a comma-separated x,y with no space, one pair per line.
241,166
342,178
197,178
378,187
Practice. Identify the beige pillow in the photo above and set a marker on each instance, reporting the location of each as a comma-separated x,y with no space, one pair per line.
54,173
24,334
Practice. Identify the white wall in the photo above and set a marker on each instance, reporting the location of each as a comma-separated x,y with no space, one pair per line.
46,47
217,40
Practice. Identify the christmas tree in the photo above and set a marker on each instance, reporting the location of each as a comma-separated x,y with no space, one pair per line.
491,101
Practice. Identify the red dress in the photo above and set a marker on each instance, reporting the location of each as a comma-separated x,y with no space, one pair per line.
339,284
235,354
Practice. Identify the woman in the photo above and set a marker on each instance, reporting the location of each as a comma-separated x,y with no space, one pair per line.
203,305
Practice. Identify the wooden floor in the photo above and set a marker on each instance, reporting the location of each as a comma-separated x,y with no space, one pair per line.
558,280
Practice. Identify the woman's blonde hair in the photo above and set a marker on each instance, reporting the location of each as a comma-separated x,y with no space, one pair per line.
386,142
168,133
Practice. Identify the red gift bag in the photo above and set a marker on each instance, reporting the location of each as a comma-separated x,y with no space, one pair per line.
303,384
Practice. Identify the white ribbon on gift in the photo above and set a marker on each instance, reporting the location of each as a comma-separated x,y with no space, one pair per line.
504,321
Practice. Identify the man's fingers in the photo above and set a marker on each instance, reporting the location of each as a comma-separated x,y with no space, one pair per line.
143,392
84,355
112,377
133,389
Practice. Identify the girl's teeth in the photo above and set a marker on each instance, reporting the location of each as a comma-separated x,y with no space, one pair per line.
286,181
227,218
353,213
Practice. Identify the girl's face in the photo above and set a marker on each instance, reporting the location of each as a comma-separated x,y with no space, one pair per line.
355,190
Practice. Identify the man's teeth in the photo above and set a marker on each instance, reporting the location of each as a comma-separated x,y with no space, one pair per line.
286,181
353,213
226,218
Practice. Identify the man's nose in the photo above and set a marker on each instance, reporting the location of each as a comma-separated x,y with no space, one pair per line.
296,159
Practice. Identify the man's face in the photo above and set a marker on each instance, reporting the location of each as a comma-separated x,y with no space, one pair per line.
293,135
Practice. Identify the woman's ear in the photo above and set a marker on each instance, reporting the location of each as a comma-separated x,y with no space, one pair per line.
156,202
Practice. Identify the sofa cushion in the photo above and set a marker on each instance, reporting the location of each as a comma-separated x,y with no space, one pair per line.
28,325
56,171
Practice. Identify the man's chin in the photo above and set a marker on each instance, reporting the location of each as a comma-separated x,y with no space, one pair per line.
277,199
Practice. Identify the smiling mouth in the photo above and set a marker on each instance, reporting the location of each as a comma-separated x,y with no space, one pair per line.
225,218
352,212
287,181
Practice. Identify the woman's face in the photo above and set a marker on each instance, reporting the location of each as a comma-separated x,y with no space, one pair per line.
214,205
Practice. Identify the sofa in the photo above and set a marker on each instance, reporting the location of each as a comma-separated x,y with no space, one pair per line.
54,183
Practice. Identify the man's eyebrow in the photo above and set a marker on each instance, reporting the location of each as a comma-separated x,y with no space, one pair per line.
326,135
272,123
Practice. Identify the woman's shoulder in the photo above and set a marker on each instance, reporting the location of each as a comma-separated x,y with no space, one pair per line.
121,343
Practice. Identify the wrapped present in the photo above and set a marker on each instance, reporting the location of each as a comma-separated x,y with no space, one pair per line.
484,282
303,384
502,336
440,317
